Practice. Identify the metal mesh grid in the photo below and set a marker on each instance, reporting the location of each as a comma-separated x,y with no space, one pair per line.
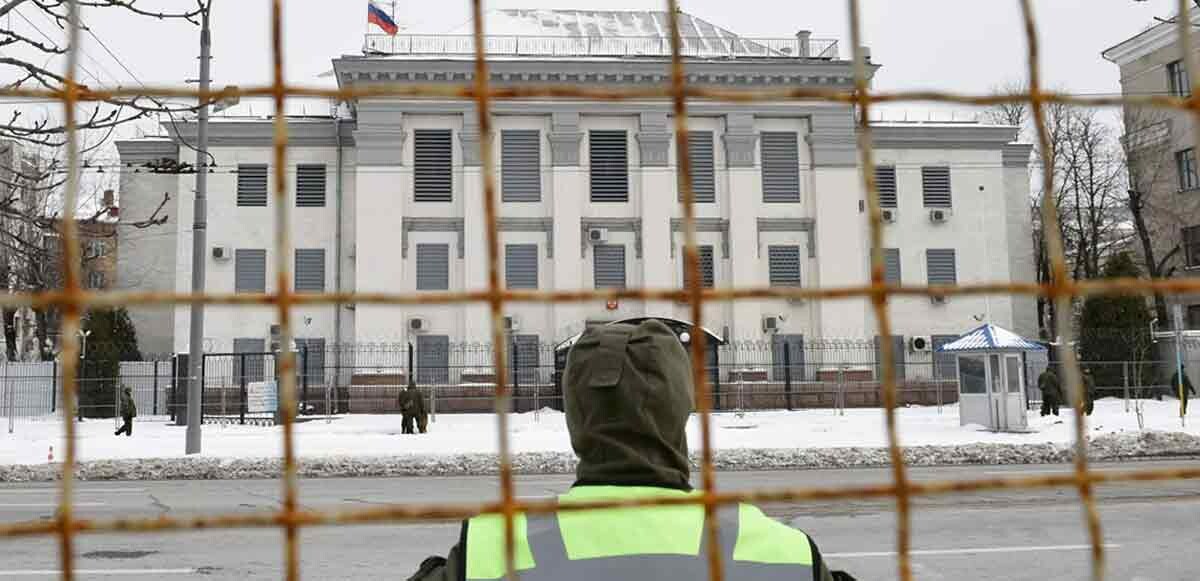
73,300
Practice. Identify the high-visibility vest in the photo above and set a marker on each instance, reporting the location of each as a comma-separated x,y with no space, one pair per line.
659,543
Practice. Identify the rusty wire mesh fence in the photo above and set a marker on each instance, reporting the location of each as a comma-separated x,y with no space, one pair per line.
73,300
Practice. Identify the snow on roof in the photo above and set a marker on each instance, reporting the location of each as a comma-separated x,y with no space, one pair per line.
990,337
258,109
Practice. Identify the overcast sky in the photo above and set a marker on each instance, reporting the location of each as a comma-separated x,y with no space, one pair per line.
962,45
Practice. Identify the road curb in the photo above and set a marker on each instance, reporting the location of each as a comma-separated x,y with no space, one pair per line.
1141,445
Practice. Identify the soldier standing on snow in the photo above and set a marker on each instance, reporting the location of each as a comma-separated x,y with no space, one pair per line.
128,412
1051,392
1187,389
410,402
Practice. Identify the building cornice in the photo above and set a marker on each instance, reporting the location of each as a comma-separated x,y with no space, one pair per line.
1152,39
261,133
920,136
145,150
1017,154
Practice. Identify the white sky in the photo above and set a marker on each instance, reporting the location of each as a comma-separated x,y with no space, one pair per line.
960,45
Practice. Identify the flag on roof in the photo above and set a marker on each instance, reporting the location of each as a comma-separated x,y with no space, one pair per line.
376,16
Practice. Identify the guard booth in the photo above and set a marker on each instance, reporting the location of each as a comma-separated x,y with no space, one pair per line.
991,378
682,329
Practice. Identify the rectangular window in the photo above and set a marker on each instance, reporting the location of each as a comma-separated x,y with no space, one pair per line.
521,266
784,265
1185,168
1178,82
433,359
520,165
704,177
523,358
1191,245
935,186
311,354
433,165
433,267
1193,317
707,274
96,279
310,186
608,265
780,167
787,354
250,270
252,185
609,152
940,267
885,180
248,360
310,270
891,265
896,344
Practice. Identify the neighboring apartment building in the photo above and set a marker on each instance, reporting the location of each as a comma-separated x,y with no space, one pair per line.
1162,151
386,195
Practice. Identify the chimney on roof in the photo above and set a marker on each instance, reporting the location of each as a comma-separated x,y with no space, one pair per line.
110,204
804,36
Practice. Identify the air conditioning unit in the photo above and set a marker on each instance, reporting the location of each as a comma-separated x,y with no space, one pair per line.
939,216
276,331
221,253
417,324
920,343
890,216
597,235
511,324
770,324
937,300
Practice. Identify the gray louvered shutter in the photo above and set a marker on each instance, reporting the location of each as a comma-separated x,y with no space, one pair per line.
891,265
523,358
521,266
609,152
310,186
784,265
608,265
310,270
780,167
940,266
252,184
707,273
312,352
935,186
433,359
704,179
250,270
885,180
433,165
254,368
520,166
896,343
433,267
791,363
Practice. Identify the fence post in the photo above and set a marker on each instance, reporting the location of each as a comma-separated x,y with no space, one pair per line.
841,390
242,388
203,372
80,382
155,387
54,386
304,376
787,373
716,377
1125,368
516,374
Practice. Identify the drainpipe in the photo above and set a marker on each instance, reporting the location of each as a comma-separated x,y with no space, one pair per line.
337,252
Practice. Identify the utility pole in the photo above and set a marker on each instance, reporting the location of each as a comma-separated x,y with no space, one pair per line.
199,245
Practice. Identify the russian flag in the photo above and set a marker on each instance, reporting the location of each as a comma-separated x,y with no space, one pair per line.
376,16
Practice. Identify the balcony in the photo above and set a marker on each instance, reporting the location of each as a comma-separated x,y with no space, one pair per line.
601,47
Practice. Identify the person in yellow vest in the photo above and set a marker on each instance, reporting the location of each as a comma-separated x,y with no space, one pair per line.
628,396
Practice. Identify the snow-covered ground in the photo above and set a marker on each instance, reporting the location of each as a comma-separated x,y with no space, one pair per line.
371,435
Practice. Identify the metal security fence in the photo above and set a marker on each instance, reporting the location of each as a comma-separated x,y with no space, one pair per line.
72,299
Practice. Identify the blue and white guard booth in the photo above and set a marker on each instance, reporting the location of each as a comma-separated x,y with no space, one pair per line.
991,378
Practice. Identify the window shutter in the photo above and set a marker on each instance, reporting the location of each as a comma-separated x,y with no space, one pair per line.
704,179
780,167
310,186
793,362
521,266
707,274
523,358
1191,245
433,164
608,265
433,267
250,270
896,342
433,359
940,266
520,166
310,270
609,166
891,265
784,265
885,180
935,186
313,364
252,185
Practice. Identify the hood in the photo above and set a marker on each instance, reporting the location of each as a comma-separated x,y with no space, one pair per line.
628,396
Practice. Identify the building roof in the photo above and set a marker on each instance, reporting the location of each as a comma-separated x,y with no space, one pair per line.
1153,38
990,338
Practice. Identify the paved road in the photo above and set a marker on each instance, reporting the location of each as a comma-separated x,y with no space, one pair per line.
1013,536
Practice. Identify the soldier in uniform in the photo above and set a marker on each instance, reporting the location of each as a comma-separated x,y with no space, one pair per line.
1051,392
128,412
411,407
1089,392
1188,389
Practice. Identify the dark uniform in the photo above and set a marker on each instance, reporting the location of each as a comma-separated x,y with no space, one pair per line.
1051,392
628,397
1089,392
412,406
1188,389
128,412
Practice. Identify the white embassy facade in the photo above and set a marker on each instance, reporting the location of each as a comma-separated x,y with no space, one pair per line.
387,197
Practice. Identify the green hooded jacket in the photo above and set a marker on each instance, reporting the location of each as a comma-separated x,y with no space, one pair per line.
1048,383
128,407
628,396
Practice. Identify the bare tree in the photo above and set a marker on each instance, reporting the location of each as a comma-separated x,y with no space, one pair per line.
1151,200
